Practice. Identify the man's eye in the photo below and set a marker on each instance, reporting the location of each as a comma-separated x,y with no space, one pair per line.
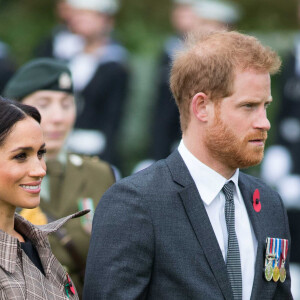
249,105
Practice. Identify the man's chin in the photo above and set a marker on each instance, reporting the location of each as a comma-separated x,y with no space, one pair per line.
251,161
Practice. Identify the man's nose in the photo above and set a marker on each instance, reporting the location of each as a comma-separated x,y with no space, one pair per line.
261,121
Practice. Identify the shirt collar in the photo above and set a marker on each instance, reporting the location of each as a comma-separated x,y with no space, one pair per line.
37,234
9,244
208,182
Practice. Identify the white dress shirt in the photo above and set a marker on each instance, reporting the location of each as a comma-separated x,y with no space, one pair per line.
209,184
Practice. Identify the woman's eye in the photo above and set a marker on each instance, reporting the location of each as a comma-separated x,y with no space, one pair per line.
67,104
41,153
21,156
42,104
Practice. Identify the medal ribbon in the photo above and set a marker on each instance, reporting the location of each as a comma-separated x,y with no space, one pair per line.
268,245
269,260
284,250
269,249
273,243
277,251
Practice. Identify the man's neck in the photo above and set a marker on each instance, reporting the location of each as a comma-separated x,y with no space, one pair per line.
196,147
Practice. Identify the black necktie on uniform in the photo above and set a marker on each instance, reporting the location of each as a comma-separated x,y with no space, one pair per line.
233,253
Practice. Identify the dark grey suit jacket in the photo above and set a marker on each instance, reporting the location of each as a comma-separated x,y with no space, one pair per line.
152,239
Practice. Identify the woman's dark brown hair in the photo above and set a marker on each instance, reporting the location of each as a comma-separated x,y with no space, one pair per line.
12,112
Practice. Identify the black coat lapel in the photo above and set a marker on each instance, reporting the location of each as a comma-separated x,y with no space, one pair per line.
200,222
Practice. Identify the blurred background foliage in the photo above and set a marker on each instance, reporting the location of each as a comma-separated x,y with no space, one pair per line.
142,26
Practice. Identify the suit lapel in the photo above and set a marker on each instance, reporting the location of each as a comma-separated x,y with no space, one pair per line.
200,222
258,220
247,192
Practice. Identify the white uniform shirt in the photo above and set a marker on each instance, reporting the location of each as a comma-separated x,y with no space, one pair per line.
209,184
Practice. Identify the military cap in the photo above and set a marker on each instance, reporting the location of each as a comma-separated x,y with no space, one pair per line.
109,7
217,10
39,74
185,2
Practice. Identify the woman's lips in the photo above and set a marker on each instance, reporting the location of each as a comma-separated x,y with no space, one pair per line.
32,187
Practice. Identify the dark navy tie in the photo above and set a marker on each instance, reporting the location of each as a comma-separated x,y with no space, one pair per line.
233,262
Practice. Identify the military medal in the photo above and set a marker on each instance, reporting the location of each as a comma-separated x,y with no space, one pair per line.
284,249
276,274
270,256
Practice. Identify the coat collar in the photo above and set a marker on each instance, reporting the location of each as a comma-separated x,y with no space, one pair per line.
8,252
10,245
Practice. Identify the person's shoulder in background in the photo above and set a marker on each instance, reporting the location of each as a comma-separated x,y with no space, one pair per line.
93,168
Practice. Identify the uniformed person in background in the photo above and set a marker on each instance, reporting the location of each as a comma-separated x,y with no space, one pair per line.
73,182
101,74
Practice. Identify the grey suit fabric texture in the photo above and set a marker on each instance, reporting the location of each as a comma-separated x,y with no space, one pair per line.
152,239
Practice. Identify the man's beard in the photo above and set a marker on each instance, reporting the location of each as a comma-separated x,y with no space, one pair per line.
225,146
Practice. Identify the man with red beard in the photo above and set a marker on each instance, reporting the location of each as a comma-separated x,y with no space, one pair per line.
192,226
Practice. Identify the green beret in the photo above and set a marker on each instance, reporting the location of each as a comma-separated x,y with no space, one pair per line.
39,74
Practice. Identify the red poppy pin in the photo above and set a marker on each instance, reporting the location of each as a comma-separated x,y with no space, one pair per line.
256,201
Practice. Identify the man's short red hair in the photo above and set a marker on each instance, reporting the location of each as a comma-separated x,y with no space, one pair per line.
208,63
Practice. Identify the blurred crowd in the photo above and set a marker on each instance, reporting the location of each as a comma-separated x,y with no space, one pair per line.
100,79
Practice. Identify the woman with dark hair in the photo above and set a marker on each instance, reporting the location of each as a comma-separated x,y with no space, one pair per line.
73,181
28,269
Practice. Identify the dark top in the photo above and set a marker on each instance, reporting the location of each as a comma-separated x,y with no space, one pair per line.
104,101
165,127
32,253
7,65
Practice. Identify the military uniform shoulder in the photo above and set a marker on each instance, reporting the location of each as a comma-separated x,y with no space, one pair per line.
90,163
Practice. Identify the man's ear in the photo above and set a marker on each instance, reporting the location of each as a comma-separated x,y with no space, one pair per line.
200,106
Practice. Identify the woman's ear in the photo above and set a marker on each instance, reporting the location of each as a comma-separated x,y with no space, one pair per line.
200,106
